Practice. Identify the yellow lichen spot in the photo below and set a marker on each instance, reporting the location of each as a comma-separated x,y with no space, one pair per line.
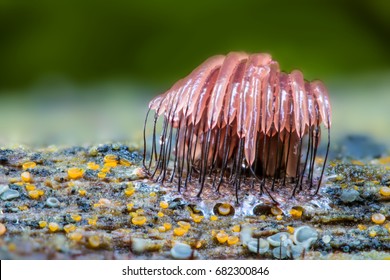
94,241
30,187
110,158
184,225
105,169
384,191
101,175
3,229
263,217
276,211
29,164
69,228
356,188
161,229
71,184
179,231
75,236
92,165
133,214
372,233
82,192
362,227
42,224
33,194
232,240
290,229
387,225
21,184
75,173
23,207
76,217
164,204
222,237
378,218
167,226
279,217
12,247
26,177
53,227
296,213
160,214
92,221
236,228
357,162
140,211
139,220
224,209
198,244
129,191
130,206
152,194
197,218
124,162
214,232
41,192
110,164
384,160
13,180
343,186
213,218
375,182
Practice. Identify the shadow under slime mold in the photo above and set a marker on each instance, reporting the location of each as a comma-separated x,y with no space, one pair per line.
239,119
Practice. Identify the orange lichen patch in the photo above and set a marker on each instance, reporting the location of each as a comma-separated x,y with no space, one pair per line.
378,218
372,233
110,164
33,194
197,218
110,158
101,175
232,240
76,217
26,177
29,164
94,241
167,226
179,231
279,217
3,229
30,187
198,244
124,162
184,225
164,204
276,211
105,169
69,228
236,228
75,173
138,220
161,229
160,214
357,162
290,229
75,236
92,221
222,237
82,192
296,213
213,218
362,227
93,165
384,160
384,191
53,227
224,209
42,224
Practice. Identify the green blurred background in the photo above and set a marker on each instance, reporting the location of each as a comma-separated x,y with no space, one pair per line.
83,71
